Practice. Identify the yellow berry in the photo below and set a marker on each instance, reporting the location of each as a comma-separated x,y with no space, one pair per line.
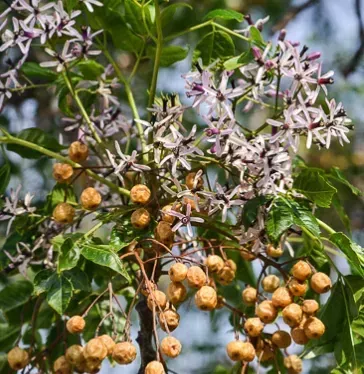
62,173
253,326
140,194
281,297
314,328
169,320
178,272
90,198
18,358
214,263
62,366
109,343
266,311
154,367
75,324
124,353
95,351
270,283
320,283
310,306
74,354
64,213
281,339
158,299
140,218
78,151
193,182
274,251
196,277
292,315
171,346
206,298
301,270
176,292
293,363
249,296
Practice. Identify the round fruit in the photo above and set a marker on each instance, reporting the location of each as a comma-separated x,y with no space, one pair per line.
64,213
154,367
299,336
249,296
75,324
226,275
74,354
281,339
310,306
169,320
178,272
176,292
167,217
193,182
253,326
265,351
314,328
171,346
140,194
270,283
234,350
206,298
18,358
301,270
231,264
158,299
293,363
292,315
109,343
296,288
274,251
90,198
214,263
163,233
196,277
62,366
78,152
320,283
140,218
247,255
148,287
281,297
266,311
95,351
92,366
124,353
62,173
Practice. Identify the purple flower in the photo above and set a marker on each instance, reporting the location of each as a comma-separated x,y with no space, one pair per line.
185,220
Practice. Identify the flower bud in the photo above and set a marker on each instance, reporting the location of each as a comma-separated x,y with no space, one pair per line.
249,296
154,367
292,315
95,351
274,251
196,277
140,218
176,292
18,358
75,324
301,270
296,288
64,213
158,299
281,297
270,283
62,173
124,353
62,366
169,320
78,151
320,283
90,198
314,328
214,263
140,194
253,326
266,311
171,346
310,306
194,182
293,363
281,339
178,272
74,355
109,343
206,298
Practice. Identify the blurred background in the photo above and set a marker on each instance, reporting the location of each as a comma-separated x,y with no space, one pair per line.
334,27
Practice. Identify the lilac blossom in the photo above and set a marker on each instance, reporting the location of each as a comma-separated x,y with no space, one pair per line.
185,219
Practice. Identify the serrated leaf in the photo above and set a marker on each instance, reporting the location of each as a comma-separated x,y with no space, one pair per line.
353,252
104,256
69,255
36,136
40,281
227,14
14,294
90,69
59,292
216,45
169,55
315,186
4,177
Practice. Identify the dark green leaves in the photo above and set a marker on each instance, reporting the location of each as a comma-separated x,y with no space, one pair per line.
38,137
34,70
338,176
69,255
251,209
4,177
170,54
168,13
15,294
216,45
227,14
104,256
315,186
90,69
134,16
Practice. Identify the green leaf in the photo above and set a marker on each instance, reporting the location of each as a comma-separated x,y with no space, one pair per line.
233,63
315,186
104,256
15,294
134,16
216,45
256,37
41,280
170,54
90,69
251,209
338,176
78,278
34,70
60,193
69,255
4,177
303,218
59,292
35,136
227,14
353,252
339,208
168,13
